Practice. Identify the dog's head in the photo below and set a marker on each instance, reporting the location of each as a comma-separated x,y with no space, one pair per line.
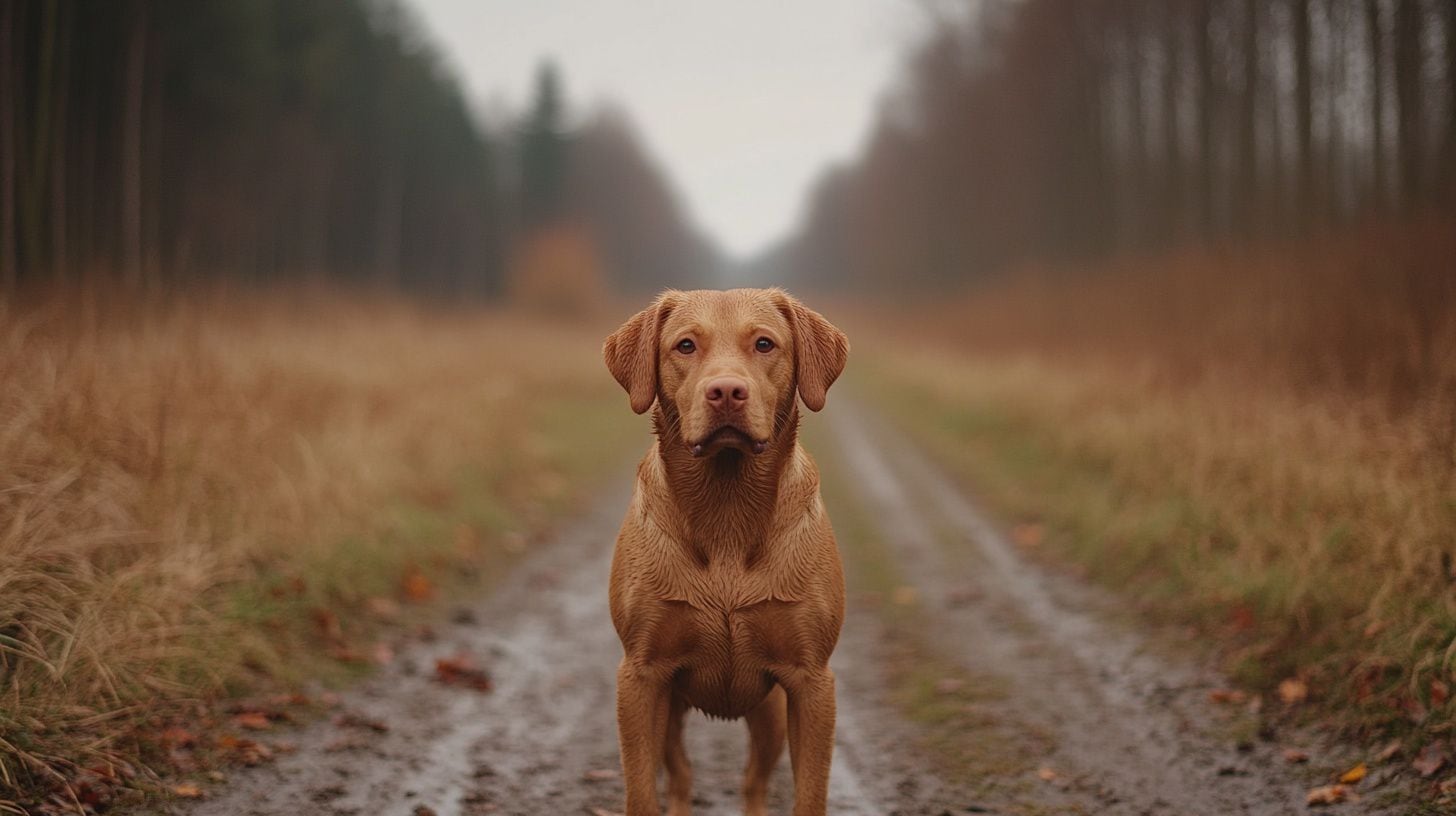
726,365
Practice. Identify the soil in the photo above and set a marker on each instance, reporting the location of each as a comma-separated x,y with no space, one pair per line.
1084,714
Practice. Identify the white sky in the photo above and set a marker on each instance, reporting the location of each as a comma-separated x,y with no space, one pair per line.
745,102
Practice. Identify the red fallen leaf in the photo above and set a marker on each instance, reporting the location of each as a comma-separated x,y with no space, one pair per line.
328,624
600,774
253,721
382,653
348,654
356,721
1440,693
1028,535
1414,710
294,699
248,752
1295,756
458,671
175,737
1227,696
417,587
1327,795
1432,758
1241,618
383,608
187,791
1293,691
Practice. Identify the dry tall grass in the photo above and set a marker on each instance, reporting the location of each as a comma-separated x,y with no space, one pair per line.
1260,444
161,465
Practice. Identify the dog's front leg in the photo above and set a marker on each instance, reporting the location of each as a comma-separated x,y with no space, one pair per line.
643,705
811,739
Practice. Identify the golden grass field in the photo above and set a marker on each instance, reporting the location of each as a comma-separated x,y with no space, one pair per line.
1260,446
223,494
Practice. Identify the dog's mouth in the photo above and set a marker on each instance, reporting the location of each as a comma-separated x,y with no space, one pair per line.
725,437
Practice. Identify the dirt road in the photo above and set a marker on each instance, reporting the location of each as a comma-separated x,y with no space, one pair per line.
1081,716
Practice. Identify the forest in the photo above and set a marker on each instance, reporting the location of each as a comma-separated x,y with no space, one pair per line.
148,143
1044,131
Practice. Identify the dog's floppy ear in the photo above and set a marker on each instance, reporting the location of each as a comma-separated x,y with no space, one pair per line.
631,353
820,351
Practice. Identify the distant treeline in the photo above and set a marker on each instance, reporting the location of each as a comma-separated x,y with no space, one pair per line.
153,142
1045,130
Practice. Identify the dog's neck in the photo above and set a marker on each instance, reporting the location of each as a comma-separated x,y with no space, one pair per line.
726,502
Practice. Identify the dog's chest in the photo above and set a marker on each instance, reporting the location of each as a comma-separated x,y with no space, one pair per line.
727,664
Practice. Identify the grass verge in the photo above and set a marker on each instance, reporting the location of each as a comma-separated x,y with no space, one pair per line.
1304,536
205,499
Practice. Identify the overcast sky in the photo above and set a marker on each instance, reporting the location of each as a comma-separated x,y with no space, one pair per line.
744,102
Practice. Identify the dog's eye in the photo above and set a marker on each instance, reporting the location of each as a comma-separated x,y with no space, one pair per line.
764,345
686,346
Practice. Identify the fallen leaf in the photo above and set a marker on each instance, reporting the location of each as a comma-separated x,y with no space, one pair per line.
328,624
294,699
600,774
1295,756
1241,618
382,607
1353,775
1293,691
1432,758
246,751
178,737
253,721
417,587
1028,535
1388,751
423,810
1227,696
348,720
1327,795
187,791
1047,775
347,654
1440,693
459,671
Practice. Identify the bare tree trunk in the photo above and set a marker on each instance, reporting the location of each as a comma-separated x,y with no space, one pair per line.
8,269
1249,122
1137,209
1331,190
388,225
1172,138
1375,31
60,257
1205,97
1408,87
1303,113
131,148
1448,167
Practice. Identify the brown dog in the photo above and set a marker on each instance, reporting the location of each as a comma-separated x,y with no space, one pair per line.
726,587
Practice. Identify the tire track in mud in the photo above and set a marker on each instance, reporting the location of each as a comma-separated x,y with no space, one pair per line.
1127,731
532,744
1133,729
